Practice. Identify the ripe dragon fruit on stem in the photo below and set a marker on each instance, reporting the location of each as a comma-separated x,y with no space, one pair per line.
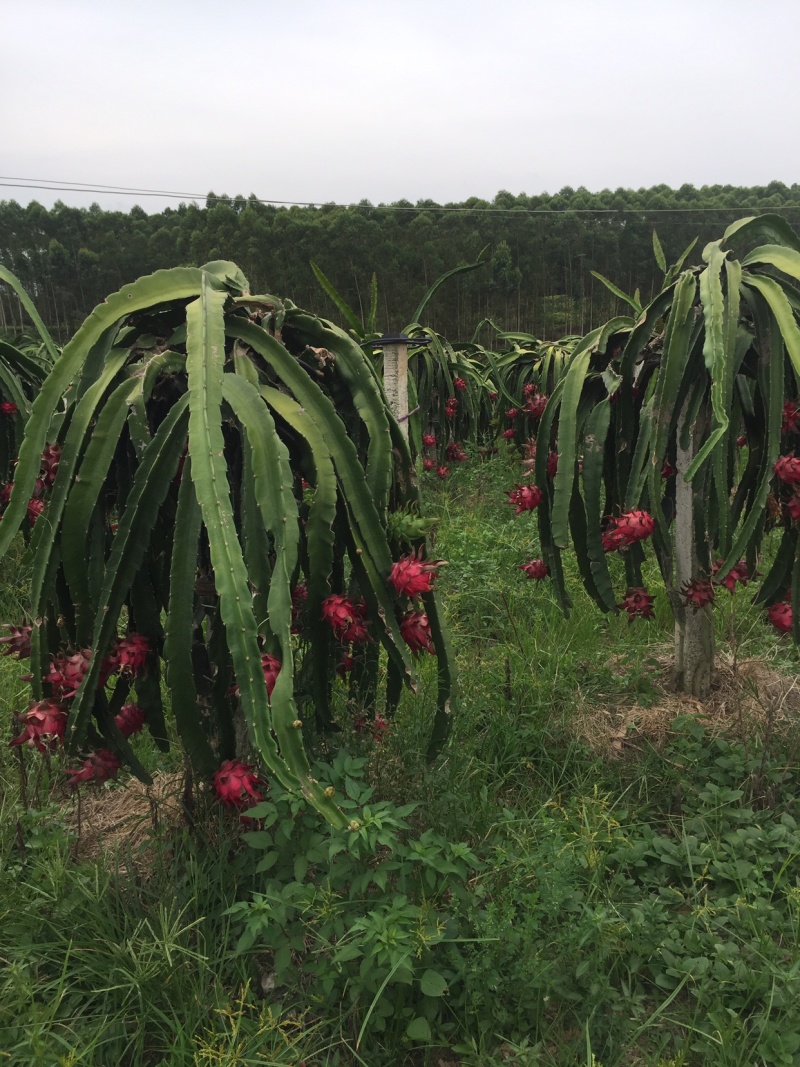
535,568
697,593
780,616
737,573
237,785
99,767
638,603
45,724
415,630
411,575
130,719
18,641
524,498
627,529
787,468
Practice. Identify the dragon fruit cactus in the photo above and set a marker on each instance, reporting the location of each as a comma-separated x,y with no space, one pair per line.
416,632
237,785
130,719
18,641
100,767
412,576
524,498
780,616
45,724
535,568
697,593
638,603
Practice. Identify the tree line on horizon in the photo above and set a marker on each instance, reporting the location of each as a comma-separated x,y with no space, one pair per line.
538,252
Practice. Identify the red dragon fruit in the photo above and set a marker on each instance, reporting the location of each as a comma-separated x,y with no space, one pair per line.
18,641
416,632
130,654
345,666
627,529
552,464
66,673
667,470
429,440
130,719
99,767
454,453
428,464
780,615
535,568
411,575
35,509
493,395
340,613
509,434
358,630
793,506
529,390
5,493
737,573
524,498
45,724
460,384
237,785
697,593
741,440
787,469
535,405
638,603
512,413
451,407
271,668
443,471
51,457
8,407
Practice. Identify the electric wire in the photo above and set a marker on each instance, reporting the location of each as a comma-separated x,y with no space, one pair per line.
48,185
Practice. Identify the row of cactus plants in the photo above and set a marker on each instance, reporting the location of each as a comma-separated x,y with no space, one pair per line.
232,499
678,427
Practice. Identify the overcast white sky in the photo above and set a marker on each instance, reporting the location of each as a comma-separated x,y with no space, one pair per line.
339,100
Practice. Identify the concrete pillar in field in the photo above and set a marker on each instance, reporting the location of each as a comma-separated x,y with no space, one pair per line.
395,372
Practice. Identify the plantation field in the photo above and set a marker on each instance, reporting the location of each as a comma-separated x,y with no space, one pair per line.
594,871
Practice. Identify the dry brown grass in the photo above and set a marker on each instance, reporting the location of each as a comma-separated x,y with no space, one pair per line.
124,820
748,698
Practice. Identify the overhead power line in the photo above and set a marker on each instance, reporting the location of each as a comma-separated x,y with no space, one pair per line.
46,185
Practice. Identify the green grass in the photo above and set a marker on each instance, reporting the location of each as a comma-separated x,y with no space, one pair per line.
541,904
